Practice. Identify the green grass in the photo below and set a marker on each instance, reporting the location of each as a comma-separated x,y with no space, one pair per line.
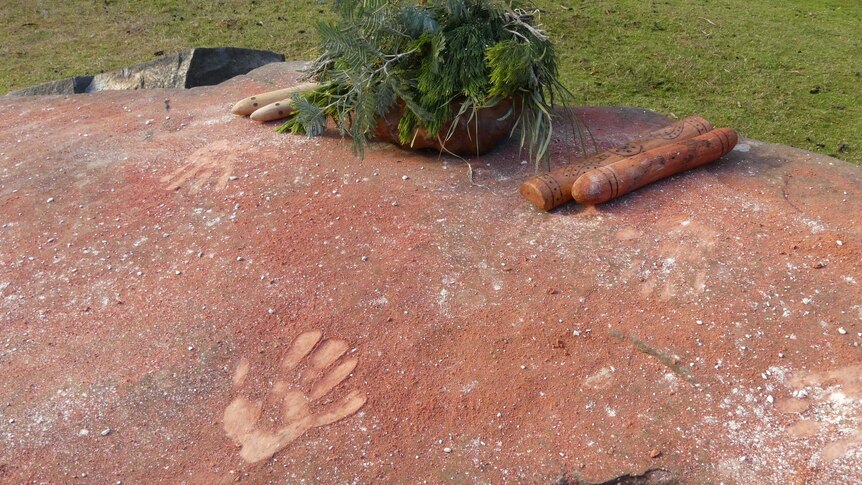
752,65
781,71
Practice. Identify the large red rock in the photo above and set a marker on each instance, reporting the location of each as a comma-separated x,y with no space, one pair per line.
158,256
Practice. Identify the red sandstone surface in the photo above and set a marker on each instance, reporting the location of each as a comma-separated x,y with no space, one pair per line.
158,256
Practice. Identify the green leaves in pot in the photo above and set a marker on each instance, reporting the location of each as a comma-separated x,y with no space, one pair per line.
431,55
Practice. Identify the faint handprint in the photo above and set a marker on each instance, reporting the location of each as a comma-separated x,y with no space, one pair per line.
218,156
306,375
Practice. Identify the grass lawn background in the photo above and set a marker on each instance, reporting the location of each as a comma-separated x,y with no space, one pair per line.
785,71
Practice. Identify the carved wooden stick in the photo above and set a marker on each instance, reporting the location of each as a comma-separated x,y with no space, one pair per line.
611,181
249,105
555,188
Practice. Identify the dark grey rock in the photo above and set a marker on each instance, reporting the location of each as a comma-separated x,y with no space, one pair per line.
202,66
165,72
196,67
210,66
72,85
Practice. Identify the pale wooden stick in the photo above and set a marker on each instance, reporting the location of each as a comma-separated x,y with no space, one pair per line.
275,111
249,105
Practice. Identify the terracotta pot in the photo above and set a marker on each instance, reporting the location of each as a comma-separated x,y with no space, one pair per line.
470,137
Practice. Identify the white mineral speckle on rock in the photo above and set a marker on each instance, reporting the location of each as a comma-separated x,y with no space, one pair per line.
842,331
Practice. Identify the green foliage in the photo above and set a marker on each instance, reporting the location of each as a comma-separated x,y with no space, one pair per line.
511,68
432,56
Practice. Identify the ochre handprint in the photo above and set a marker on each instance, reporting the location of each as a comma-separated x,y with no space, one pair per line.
218,156
290,399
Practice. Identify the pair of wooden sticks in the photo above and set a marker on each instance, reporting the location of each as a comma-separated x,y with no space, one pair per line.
686,144
272,105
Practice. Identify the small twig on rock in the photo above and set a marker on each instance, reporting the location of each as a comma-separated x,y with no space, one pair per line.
668,360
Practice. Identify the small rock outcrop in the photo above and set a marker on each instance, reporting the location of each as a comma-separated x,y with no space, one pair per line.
203,66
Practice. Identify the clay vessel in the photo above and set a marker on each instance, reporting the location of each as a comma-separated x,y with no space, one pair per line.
470,137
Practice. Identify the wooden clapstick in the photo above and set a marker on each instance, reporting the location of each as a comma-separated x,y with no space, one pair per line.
275,111
611,181
249,105
555,188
